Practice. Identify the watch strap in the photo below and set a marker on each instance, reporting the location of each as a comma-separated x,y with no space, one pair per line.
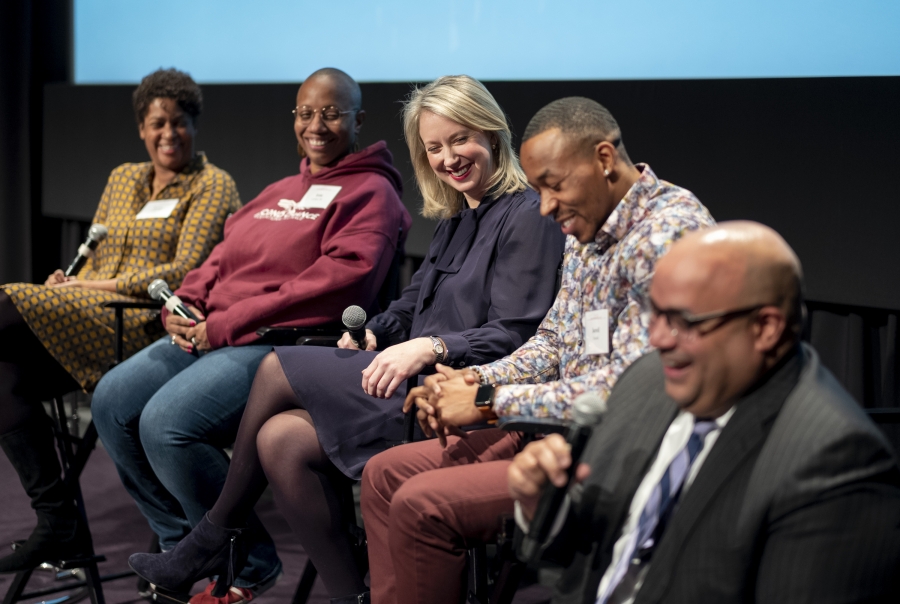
437,343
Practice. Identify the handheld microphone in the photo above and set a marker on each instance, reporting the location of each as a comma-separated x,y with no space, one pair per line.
159,290
354,319
96,234
587,412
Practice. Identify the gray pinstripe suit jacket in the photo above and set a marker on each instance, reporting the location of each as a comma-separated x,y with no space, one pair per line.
798,500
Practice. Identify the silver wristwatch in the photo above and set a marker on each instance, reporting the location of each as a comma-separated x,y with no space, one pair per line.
438,347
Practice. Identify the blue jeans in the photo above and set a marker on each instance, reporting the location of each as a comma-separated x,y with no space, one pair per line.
164,417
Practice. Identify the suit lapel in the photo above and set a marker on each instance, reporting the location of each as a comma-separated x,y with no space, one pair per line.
742,436
645,430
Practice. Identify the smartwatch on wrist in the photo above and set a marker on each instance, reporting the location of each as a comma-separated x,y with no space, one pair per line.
440,353
484,397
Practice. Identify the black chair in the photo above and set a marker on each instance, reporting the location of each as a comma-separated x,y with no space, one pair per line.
74,452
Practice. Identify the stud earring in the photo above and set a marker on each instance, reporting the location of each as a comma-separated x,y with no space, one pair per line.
606,173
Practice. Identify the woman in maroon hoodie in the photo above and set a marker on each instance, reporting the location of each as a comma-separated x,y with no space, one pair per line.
307,247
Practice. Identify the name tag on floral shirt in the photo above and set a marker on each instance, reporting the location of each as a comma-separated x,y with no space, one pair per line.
596,331
161,208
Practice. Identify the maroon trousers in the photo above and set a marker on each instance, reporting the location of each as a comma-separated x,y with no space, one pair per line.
423,506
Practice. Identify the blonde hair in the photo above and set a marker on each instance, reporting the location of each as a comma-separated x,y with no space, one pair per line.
466,101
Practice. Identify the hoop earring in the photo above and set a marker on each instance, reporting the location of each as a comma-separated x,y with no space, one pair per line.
300,151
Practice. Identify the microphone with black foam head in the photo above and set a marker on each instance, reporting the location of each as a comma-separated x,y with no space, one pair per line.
354,319
96,235
159,290
587,412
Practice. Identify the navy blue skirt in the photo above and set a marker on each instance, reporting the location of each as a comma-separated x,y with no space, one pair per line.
351,425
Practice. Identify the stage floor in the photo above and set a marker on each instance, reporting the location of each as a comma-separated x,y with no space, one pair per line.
119,530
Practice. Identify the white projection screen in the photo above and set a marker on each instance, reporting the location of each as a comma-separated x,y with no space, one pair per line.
235,41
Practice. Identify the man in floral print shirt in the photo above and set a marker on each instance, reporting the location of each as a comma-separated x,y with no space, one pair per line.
424,503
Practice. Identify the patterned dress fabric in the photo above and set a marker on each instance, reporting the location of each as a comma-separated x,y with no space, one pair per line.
71,323
613,272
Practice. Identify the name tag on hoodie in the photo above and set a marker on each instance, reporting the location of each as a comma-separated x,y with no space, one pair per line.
161,208
318,197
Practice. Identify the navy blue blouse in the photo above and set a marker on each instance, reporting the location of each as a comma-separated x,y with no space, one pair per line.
485,285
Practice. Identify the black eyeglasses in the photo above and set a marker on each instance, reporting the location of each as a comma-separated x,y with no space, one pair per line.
686,326
329,114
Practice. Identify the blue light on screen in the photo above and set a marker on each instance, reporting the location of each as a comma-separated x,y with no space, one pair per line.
217,41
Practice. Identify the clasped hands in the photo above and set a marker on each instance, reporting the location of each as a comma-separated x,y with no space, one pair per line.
58,279
446,402
186,333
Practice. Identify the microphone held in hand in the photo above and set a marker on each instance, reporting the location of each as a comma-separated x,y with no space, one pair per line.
354,319
159,290
587,412
96,235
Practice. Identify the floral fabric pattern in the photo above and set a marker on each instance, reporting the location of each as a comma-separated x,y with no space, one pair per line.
545,375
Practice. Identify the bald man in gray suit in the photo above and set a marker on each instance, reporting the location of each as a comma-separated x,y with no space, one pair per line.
731,466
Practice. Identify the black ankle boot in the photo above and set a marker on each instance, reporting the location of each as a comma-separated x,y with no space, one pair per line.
60,532
362,598
207,550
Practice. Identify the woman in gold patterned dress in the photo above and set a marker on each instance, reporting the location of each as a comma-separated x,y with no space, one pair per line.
164,217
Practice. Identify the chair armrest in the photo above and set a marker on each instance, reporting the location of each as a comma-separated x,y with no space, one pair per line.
119,307
884,415
324,335
147,304
533,425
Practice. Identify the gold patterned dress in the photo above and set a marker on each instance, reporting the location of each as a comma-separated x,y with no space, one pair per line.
71,323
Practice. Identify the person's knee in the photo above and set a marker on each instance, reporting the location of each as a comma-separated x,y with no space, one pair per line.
374,476
269,368
161,426
411,503
277,441
107,408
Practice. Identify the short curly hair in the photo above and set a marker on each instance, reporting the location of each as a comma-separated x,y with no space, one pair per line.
168,84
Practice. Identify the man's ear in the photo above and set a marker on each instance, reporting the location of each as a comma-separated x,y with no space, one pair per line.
769,328
606,155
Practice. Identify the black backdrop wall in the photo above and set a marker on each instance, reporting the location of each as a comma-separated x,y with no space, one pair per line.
814,158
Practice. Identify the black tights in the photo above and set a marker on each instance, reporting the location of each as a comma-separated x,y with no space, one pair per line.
277,441
28,373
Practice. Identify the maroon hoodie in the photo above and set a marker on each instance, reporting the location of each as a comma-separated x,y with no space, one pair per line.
284,262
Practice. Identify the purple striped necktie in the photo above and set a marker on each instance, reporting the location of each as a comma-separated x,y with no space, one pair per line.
660,506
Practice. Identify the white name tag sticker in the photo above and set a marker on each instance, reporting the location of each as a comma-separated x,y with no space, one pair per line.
319,196
161,208
596,331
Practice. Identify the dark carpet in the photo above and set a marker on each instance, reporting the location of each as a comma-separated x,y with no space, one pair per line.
119,530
